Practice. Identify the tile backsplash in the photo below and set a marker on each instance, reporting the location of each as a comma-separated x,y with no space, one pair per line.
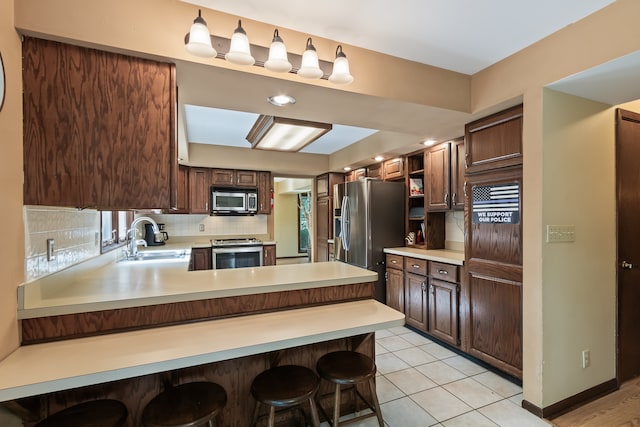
189,225
76,235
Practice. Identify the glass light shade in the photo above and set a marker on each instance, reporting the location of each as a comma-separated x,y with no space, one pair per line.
340,73
310,67
199,39
240,52
278,60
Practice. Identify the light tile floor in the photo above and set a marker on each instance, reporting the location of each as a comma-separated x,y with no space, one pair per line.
421,383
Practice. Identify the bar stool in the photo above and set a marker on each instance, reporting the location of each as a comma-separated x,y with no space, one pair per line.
186,405
285,386
95,413
349,368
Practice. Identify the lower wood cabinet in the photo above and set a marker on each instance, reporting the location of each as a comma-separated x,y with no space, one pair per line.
395,289
269,255
416,300
200,259
443,310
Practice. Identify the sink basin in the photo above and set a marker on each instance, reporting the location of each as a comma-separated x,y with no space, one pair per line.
159,255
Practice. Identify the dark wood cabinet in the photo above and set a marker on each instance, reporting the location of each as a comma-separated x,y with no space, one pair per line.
393,169
199,187
495,141
355,174
444,302
324,212
182,191
200,259
234,178
375,171
416,300
437,186
395,282
99,128
269,255
265,192
458,169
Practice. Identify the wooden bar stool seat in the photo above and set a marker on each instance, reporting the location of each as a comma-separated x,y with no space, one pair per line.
95,413
186,405
285,387
349,368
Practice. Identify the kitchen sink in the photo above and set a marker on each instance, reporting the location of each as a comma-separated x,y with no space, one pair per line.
158,255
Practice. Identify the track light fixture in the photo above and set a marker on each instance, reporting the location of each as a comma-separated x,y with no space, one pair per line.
200,42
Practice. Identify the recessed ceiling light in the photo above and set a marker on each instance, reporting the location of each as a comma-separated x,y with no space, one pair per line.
281,100
347,168
429,142
378,158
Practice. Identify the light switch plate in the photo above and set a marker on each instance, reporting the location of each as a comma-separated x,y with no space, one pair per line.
561,233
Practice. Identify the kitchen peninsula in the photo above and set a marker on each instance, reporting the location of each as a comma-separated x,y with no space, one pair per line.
248,319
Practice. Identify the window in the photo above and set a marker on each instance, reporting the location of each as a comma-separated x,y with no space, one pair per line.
304,222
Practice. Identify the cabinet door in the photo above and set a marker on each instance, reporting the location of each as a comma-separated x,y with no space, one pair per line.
269,255
322,185
375,171
393,169
415,302
199,187
182,191
222,177
457,173
86,143
495,141
395,289
246,178
437,190
265,189
200,259
443,310
322,232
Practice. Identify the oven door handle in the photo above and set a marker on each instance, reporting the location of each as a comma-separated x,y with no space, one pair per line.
233,249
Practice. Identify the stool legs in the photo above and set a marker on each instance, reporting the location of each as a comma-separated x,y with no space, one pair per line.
376,404
315,419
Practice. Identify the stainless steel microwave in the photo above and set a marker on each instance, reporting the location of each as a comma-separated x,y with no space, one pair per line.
234,201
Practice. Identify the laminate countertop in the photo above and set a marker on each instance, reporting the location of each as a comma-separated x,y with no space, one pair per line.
107,284
44,368
440,255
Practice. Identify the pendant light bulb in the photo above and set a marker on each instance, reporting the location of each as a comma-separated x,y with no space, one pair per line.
199,39
310,68
278,59
340,73
240,52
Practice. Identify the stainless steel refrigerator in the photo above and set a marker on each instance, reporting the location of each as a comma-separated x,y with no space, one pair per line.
368,217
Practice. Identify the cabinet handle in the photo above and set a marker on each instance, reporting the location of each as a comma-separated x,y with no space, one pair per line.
431,289
443,272
465,189
424,287
393,261
466,161
415,266
206,206
453,199
446,198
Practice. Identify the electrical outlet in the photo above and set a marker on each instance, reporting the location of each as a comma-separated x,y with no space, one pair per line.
201,227
586,358
561,233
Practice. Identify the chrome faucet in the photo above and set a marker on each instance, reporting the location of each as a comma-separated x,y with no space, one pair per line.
133,243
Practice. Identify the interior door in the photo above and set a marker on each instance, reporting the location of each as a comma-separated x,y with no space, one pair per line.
628,236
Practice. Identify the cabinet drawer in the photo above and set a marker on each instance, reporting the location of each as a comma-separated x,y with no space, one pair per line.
394,261
447,272
416,266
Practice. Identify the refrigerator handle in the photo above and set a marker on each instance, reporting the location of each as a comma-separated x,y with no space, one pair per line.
345,220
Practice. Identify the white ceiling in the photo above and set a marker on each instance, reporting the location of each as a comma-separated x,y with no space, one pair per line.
459,35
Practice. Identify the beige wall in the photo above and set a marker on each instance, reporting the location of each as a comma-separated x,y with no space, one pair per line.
286,223
12,249
578,279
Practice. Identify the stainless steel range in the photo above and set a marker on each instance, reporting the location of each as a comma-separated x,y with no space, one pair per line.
236,253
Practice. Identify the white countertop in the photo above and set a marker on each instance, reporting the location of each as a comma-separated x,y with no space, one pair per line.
43,368
441,255
115,285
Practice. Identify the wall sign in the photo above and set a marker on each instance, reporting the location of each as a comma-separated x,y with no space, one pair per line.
496,204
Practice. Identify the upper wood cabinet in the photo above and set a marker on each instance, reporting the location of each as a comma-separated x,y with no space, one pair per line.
199,185
494,141
376,171
325,183
99,128
445,169
235,178
393,169
265,192
355,174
